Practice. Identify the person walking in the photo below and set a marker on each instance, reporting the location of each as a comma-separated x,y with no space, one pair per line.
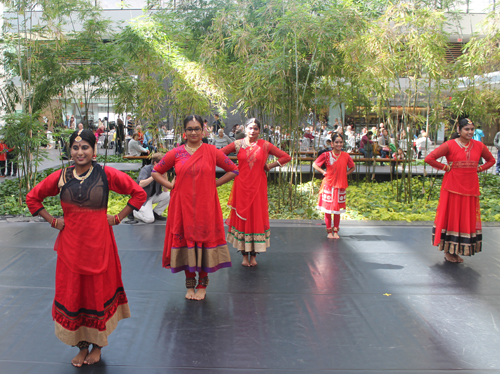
195,238
457,226
332,193
3,157
249,231
89,296
120,136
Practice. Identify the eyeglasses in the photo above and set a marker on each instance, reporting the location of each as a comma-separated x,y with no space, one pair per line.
197,129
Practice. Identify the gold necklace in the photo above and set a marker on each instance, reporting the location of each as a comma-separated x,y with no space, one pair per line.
192,149
336,156
251,145
85,176
463,145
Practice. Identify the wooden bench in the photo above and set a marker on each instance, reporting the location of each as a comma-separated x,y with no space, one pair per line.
364,159
135,157
143,158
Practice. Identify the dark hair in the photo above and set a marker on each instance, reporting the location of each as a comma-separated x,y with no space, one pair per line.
369,133
251,121
455,135
86,135
328,141
193,117
464,122
335,136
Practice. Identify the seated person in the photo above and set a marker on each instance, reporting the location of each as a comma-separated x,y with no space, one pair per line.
148,141
240,132
135,149
155,193
384,142
399,154
308,134
138,131
222,140
365,145
328,147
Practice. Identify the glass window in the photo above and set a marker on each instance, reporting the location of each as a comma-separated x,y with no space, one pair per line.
481,6
126,4
459,5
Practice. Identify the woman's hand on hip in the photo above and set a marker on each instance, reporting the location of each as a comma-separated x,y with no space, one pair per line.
60,224
111,219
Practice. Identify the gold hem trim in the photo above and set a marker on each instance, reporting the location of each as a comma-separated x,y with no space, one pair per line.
92,335
248,246
208,258
460,249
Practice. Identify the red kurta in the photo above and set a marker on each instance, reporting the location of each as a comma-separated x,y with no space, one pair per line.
332,194
89,299
248,221
194,238
3,152
457,227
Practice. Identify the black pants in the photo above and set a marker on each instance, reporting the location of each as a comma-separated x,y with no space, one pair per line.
119,147
11,163
2,167
145,161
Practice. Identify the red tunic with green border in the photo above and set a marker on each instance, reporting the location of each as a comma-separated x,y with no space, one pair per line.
332,194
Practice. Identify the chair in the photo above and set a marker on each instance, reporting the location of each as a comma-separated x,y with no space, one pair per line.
100,141
305,143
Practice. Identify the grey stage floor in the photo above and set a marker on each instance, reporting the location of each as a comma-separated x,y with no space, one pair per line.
381,299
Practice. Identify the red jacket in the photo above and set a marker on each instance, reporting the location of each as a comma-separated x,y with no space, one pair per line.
3,151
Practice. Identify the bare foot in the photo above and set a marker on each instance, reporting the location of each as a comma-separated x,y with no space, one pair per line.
190,294
330,235
336,235
459,259
200,294
253,260
94,356
245,261
80,357
449,257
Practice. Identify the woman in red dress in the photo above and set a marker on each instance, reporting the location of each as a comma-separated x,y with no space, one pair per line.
248,222
195,239
89,299
332,194
457,226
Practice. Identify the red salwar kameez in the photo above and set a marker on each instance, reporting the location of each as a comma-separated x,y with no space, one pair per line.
195,237
89,299
457,226
332,193
249,230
